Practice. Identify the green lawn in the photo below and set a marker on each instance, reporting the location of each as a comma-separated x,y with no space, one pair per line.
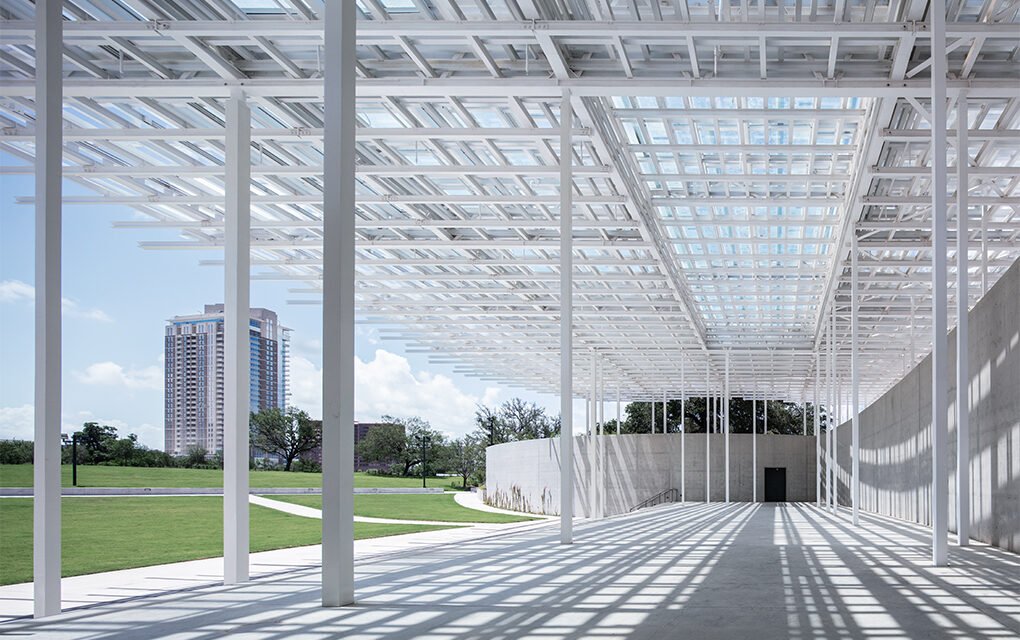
20,475
104,534
441,507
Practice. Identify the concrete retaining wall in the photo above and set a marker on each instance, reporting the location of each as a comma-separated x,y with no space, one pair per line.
896,430
524,475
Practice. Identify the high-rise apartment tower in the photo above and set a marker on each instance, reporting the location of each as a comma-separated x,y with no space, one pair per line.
194,375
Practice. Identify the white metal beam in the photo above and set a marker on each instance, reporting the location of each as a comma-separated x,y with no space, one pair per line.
962,308
338,308
939,422
566,326
46,471
237,350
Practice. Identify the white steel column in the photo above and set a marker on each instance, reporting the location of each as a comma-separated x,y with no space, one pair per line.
566,326
590,438
818,438
236,347
962,307
619,410
338,307
754,449
831,435
855,375
726,423
600,446
663,413
984,251
939,386
683,429
708,436
48,162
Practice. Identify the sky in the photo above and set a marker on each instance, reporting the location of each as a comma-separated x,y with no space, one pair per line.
117,298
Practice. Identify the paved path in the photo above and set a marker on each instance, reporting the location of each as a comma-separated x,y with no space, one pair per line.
762,571
473,500
114,586
311,512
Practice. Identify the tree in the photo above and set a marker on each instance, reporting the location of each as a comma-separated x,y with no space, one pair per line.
194,457
385,443
96,441
784,417
16,451
466,455
488,424
514,420
286,434
399,442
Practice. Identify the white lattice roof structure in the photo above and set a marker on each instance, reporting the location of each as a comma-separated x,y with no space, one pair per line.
725,155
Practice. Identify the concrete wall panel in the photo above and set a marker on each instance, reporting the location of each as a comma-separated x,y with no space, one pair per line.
525,475
896,430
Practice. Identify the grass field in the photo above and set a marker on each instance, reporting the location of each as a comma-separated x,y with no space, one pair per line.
104,534
441,507
20,475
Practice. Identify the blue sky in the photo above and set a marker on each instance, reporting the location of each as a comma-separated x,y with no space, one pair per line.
117,299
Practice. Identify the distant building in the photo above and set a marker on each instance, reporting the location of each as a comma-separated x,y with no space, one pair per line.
193,368
360,431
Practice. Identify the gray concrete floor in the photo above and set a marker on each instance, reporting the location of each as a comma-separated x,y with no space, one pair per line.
692,571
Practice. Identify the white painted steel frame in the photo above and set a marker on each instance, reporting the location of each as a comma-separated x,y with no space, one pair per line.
855,373
754,446
237,347
566,342
449,225
338,308
962,308
48,259
939,296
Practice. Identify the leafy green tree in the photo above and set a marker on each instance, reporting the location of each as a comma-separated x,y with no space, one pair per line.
194,457
95,441
488,425
286,434
123,451
784,417
514,420
399,442
464,458
384,443
16,451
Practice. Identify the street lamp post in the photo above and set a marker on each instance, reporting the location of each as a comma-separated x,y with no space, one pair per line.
425,441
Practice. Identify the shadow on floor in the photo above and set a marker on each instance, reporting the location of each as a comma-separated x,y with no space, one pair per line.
693,571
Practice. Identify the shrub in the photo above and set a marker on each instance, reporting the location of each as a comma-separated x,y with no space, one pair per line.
16,451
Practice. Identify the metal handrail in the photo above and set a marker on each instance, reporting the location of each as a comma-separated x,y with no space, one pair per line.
669,495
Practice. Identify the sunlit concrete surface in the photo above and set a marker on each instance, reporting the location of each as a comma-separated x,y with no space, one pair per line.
692,571
114,586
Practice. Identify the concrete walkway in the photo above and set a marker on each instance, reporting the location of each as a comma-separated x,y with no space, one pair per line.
115,586
759,571
473,500
311,512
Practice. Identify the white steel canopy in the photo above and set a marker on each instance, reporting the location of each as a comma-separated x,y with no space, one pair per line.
724,156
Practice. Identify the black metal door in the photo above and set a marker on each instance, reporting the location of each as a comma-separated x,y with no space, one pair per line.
775,484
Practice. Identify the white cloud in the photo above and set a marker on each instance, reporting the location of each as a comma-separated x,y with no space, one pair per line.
387,385
305,386
18,291
111,374
71,309
17,422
